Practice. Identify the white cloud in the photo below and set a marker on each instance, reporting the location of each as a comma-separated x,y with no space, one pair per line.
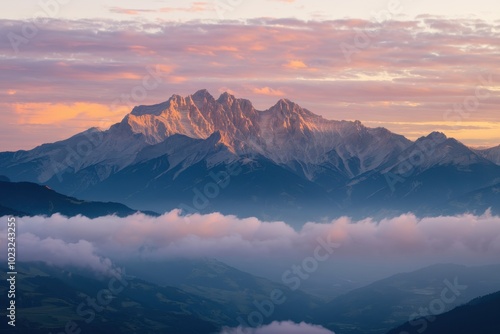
279,328
88,242
61,253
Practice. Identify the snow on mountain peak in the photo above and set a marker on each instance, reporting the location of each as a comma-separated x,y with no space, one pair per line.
288,107
436,136
436,149
156,109
284,133
492,154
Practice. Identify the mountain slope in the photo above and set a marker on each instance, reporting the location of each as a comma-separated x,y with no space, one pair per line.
48,298
284,133
477,201
212,295
492,154
238,290
381,305
30,199
478,316
424,178
257,188
293,164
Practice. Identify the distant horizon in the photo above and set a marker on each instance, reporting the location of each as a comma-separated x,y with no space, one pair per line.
101,128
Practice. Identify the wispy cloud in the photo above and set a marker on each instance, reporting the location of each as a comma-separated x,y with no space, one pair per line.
194,7
295,64
129,11
408,238
268,91
63,254
411,71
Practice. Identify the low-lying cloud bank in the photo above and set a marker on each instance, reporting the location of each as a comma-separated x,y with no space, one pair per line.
62,253
90,242
279,328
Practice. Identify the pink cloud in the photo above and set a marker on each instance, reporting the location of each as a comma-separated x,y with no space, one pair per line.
127,11
60,253
295,64
268,91
286,327
195,7
461,238
404,72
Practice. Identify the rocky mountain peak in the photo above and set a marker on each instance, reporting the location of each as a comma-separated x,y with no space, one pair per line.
226,98
202,98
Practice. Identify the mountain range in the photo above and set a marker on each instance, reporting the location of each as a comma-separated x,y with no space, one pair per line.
194,299
478,316
30,199
203,154
384,304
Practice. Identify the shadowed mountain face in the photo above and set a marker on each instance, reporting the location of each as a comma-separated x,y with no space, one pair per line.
238,290
478,316
492,154
384,304
205,154
432,176
30,199
202,296
47,298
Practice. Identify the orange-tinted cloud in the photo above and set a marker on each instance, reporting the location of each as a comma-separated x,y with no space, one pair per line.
295,64
407,71
216,235
195,7
84,114
268,91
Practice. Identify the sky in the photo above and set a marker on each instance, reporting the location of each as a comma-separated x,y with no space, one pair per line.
411,66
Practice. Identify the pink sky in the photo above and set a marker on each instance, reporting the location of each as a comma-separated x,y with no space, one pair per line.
411,76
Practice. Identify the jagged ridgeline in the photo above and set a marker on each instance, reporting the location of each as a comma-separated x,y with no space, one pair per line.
203,154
